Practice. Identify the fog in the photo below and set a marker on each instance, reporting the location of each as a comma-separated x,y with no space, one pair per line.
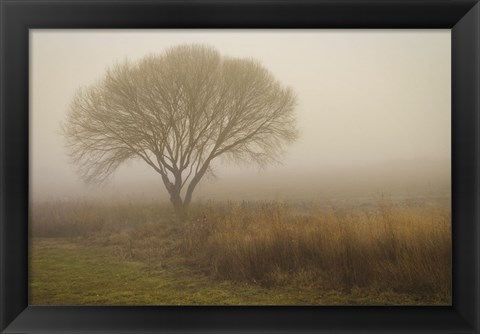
373,112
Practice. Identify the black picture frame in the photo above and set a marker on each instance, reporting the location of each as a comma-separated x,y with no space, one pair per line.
18,16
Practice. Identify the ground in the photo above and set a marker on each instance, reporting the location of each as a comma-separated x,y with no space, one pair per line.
77,271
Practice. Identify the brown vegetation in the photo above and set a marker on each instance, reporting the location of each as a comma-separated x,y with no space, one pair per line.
406,249
402,248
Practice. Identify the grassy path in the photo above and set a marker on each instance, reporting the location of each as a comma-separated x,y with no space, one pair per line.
68,272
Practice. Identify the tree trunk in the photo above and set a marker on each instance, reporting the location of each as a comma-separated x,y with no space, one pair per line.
178,205
175,198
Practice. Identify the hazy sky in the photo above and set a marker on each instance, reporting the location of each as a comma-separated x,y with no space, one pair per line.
365,97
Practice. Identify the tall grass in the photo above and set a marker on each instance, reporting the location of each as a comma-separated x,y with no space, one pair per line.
405,249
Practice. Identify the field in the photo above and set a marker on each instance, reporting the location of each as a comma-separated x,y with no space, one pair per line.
241,253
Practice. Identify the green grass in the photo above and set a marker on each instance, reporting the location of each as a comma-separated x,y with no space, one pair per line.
68,271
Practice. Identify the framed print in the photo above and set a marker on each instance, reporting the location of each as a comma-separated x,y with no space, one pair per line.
239,166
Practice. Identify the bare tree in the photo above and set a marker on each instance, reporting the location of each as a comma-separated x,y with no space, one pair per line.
178,111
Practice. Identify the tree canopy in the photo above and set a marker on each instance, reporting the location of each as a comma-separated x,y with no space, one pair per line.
178,111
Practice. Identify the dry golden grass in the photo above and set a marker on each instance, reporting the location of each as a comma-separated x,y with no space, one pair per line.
386,247
400,248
